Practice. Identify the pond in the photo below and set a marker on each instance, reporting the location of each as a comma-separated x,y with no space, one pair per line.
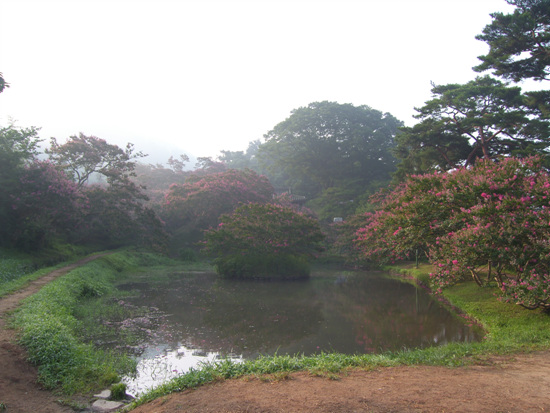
208,318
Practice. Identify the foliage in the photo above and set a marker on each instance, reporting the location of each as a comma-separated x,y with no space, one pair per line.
156,179
250,241
3,83
81,156
342,239
343,201
483,118
47,204
491,219
197,204
243,160
18,148
41,205
117,216
519,42
352,143
206,165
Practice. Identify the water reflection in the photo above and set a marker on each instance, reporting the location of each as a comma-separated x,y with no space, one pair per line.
159,364
333,311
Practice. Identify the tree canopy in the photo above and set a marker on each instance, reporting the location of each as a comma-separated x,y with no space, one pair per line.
326,143
462,123
81,156
196,205
519,42
263,240
489,222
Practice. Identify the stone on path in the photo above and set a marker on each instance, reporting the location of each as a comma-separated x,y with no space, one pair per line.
102,405
105,394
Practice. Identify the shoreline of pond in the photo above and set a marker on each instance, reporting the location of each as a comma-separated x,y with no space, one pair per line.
509,329
334,302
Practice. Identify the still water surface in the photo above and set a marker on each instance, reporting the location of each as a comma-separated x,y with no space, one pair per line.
334,311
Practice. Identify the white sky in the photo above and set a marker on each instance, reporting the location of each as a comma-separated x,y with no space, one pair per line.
197,77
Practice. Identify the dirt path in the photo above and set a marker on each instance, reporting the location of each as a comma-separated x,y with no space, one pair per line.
19,390
518,385
506,384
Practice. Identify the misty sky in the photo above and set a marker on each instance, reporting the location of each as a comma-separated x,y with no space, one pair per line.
197,77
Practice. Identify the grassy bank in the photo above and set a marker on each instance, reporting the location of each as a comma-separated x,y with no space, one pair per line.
53,328
509,329
17,269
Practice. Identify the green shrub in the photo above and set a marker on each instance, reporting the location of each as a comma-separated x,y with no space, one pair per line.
187,254
263,267
263,241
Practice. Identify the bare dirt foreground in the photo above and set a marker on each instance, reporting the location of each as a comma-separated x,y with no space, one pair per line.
502,384
521,384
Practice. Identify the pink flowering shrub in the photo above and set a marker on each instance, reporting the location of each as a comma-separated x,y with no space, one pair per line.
263,240
489,223
199,202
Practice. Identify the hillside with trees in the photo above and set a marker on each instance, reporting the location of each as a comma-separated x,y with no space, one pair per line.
328,157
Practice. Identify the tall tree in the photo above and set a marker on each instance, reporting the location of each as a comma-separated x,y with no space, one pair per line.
519,42
117,214
327,143
81,156
242,159
483,118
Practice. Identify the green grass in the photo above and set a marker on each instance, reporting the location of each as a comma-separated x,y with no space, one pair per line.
17,269
509,329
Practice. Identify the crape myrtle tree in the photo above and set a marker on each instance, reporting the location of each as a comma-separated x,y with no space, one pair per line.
263,241
82,156
326,145
196,205
489,223
117,213
463,123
